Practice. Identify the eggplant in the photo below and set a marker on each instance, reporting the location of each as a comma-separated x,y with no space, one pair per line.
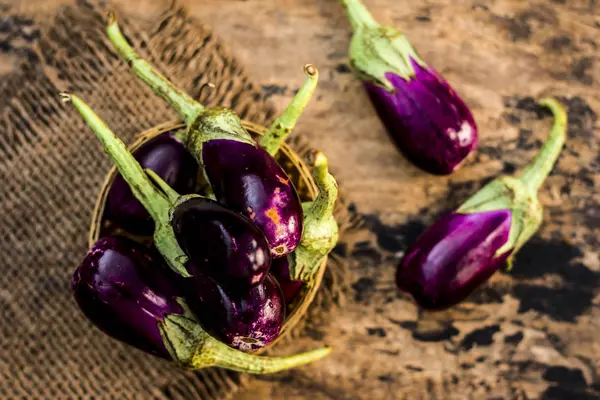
221,243
426,119
453,257
290,288
169,159
464,248
244,319
126,290
243,176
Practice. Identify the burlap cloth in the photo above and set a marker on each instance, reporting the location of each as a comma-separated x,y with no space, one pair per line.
51,170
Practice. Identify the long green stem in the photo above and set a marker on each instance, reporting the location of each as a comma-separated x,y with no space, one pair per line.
127,165
226,357
193,348
180,101
142,188
539,169
358,14
283,125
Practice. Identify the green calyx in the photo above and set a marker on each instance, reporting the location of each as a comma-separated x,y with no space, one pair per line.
191,347
376,50
215,123
508,193
519,195
283,125
320,227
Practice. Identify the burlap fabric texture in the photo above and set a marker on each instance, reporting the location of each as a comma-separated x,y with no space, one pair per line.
51,168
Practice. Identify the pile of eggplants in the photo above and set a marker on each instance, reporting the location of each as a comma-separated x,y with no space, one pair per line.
228,263
225,265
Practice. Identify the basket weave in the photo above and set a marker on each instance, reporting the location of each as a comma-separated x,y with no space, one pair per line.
293,165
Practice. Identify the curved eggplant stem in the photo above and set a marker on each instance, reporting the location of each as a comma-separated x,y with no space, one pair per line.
184,104
320,227
193,348
142,188
218,354
538,170
283,125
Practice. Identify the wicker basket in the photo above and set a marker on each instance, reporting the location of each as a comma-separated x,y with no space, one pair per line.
293,165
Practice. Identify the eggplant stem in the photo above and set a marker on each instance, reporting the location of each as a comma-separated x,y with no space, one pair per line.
358,15
185,105
323,205
171,194
142,188
538,170
320,227
283,125
215,353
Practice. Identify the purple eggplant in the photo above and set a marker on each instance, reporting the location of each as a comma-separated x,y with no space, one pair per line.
427,120
463,249
220,243
453,257
247,179
243,319
290,288
125,290
169,159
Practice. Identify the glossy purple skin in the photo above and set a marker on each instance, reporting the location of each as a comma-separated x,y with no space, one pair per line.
221,243
290,288
125,289
453,257
247,179
243,319
426,119
169,158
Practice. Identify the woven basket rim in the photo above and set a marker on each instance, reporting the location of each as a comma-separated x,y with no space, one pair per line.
301,307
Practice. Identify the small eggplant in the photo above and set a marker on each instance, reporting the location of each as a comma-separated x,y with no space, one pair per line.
290,288
125,291
246,320
455,255
169,159
242,175
247,179
220,243
424,116
463,249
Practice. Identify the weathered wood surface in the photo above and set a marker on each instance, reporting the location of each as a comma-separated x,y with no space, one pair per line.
531,334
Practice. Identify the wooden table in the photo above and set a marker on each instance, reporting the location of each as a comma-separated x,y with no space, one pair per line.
531,334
